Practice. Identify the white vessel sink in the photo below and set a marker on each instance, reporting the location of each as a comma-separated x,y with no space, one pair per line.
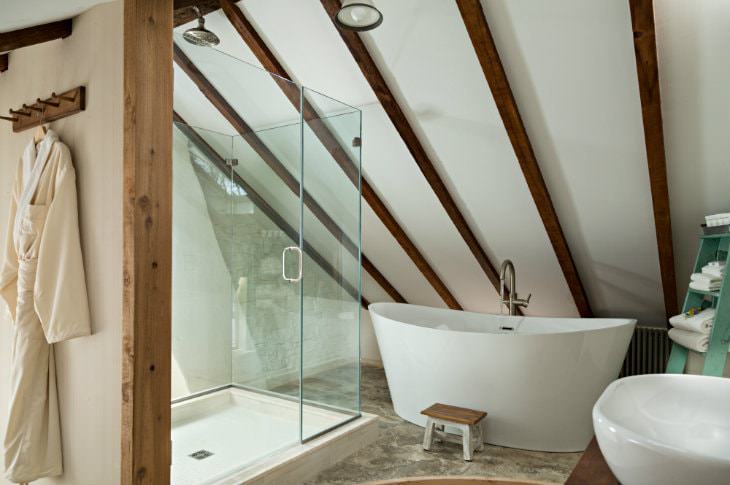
666,429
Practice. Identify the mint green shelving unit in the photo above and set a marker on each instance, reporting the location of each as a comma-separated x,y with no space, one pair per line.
714,247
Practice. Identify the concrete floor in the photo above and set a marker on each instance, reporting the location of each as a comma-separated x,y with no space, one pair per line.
398,452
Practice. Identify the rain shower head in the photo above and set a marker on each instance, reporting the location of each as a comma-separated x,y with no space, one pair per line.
200,35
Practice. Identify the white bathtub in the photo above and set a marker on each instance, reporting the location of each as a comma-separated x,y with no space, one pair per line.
538,382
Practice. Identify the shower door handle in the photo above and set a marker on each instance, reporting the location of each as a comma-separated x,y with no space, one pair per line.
299,265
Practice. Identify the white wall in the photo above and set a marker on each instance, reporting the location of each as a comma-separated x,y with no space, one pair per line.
694,73
201,286
89,368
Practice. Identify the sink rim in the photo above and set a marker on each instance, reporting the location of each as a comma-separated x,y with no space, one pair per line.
641,440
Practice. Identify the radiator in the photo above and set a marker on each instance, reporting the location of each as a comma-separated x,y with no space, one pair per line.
648,352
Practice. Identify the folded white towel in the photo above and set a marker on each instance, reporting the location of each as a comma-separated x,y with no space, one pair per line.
700,322
702,286
715,264
692,340
705,277
713,271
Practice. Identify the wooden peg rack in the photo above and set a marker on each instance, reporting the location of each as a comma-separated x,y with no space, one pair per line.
45,110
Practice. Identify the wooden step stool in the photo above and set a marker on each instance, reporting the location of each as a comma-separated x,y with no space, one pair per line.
467,420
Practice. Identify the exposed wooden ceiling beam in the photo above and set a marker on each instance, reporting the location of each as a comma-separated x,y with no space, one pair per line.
486,51
34,35
4,62
214,157
184,12
381,89
647,70
330,142
228,112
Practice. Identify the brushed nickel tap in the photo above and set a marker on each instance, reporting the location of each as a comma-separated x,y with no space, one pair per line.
511,301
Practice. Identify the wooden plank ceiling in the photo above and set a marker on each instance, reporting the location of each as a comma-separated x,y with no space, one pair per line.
271,64
647,70
477,26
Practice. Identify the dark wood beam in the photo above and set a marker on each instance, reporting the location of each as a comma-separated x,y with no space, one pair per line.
486,51
184,12
34,35
387,99
592,468
4,62
333,146
228,112
216,159
647,70
147,250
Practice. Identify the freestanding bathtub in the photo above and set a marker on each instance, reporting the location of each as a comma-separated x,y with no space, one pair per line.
537,378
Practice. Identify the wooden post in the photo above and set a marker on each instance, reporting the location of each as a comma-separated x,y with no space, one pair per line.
148,84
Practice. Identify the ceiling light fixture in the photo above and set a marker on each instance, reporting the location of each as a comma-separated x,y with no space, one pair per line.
358,15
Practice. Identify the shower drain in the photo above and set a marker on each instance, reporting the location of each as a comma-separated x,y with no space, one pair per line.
201,454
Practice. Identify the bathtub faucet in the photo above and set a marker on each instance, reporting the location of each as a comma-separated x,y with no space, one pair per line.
510,300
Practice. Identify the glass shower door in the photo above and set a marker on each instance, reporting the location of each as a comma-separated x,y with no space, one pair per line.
330,364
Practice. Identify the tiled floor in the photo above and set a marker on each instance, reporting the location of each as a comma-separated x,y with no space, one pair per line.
398,452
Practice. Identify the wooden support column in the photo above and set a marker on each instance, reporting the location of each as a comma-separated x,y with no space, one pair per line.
147,220
481,37
647,70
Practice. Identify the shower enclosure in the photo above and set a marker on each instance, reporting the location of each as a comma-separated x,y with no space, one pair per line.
266,265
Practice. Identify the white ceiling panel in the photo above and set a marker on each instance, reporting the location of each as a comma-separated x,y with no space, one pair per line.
17,14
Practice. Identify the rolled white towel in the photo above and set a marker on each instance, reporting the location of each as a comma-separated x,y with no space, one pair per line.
700,322
702,286
715,264
692,340
705,277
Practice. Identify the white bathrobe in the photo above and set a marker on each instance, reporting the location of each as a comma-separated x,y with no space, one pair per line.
42,281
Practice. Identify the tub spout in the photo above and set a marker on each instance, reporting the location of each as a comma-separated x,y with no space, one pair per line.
508,295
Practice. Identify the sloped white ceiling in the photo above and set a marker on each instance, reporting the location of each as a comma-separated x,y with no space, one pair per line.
572,69
18,14
694,74
571,66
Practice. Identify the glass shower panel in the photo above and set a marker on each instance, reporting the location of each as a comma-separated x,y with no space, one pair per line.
267,315
266,264
201,251
331,283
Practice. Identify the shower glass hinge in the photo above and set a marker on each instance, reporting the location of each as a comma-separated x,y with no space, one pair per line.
232,162
357,142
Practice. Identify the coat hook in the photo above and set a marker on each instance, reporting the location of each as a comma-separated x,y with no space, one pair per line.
49,103
21,113
33,107
8,119
65,98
